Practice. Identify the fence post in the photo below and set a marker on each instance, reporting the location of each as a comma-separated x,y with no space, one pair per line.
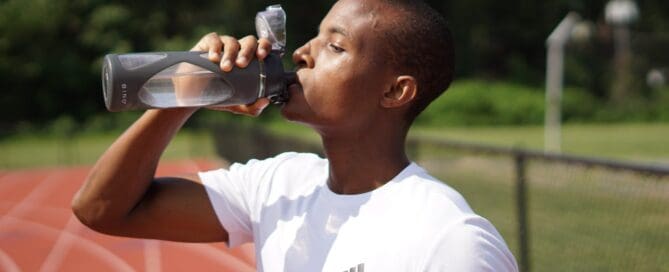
521,202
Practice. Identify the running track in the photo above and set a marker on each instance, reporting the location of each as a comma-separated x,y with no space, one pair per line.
38,231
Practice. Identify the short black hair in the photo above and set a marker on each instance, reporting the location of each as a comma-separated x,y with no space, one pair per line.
420,43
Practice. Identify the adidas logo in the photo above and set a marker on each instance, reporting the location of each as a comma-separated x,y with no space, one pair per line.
357,268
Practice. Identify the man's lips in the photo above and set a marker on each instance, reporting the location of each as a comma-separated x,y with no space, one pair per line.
295,87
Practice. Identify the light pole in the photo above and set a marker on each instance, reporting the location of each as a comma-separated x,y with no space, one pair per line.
554,74
620,14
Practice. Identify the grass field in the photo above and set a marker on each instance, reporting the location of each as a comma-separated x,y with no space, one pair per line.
636,142
639,142
33,151
580,219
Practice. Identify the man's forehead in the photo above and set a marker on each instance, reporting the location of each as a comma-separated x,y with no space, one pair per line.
348,15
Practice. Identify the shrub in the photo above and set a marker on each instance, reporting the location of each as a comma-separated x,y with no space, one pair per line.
479,102
476,102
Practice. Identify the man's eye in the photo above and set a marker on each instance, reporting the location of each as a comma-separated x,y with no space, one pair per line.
336,48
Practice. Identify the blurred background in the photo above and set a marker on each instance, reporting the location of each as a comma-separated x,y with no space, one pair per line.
610,73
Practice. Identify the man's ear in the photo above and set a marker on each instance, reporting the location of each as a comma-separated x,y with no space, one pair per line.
403,91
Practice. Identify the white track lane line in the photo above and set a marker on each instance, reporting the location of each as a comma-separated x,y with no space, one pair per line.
62,246
65,211
7,264
106,256
45,187
152,260
11,178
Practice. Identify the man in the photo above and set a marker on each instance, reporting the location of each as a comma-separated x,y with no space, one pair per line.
373,67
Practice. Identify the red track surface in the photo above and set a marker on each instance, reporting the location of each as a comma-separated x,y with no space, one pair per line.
38,231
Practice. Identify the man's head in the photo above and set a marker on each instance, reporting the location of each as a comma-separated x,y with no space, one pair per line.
372,60
419,43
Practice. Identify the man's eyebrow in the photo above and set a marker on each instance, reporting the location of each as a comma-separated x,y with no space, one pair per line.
338,29
335,29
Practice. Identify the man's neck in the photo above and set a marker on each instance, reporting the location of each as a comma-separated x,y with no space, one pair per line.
362,162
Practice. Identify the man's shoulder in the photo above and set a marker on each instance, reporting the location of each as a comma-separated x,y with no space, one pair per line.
296,163
286,160
455,227
285,156
425,190
290,173
288,167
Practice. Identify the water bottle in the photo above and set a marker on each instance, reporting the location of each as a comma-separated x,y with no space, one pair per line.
158,80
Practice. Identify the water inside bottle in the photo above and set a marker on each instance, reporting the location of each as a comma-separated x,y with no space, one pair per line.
184,85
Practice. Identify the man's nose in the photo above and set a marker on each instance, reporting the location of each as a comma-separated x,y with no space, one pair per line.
302,57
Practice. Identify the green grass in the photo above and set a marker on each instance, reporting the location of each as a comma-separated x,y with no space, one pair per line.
292,129
34,151
579,219
638,142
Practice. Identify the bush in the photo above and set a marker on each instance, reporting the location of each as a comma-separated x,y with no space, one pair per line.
63,127
578,105
478,102
654,107
475,102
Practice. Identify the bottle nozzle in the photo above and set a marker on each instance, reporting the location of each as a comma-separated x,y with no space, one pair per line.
283,96
290,78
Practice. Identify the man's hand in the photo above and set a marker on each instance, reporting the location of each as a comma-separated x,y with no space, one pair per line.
122,196
228,51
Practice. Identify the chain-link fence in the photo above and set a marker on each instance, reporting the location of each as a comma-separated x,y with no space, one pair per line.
561,213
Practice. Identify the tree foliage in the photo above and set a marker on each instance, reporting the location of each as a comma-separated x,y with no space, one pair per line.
51,50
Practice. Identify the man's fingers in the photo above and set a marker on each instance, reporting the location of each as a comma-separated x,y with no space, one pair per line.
230,50
250,110
259,105
264,47
248,47
212,44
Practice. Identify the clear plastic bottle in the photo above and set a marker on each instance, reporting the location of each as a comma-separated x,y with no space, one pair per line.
189,79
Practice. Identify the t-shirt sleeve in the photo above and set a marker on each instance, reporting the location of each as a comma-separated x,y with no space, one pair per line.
471,245
233,194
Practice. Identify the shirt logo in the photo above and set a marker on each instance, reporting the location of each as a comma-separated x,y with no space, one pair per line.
358,268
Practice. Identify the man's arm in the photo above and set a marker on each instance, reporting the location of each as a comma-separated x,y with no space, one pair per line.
121,196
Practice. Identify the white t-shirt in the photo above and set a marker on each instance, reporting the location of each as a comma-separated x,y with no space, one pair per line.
412,223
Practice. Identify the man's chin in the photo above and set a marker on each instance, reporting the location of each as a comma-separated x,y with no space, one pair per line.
291,109
287,110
